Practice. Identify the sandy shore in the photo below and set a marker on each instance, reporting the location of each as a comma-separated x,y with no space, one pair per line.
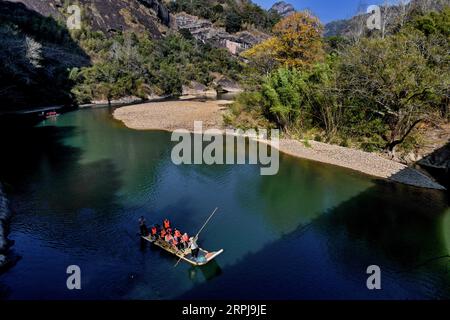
182,114
171,115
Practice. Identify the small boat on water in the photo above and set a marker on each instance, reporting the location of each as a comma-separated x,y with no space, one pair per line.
199,258
203,256
51,115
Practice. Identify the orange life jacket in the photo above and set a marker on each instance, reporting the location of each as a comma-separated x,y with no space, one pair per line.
166,224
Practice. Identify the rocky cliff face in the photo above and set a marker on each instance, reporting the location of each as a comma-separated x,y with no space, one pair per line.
150,15
204,30
35,54
160,9
111,15
283,9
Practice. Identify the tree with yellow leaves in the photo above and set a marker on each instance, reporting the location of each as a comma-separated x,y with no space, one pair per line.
262,56
297,43
300,40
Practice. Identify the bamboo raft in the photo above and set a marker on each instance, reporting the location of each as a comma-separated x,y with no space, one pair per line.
203,256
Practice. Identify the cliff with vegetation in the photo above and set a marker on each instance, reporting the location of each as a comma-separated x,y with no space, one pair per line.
232,15
109,16
35,54
125,49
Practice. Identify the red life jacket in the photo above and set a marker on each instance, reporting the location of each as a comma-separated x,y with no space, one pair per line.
177,234
163,233
166,224
154,230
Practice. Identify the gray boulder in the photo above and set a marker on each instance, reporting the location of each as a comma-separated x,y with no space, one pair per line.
203,30
197,89
224,84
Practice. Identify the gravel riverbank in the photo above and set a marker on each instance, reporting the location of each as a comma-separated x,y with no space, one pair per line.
171,115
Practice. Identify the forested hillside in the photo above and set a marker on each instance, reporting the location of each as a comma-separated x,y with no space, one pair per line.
233,15
379,91
125,48
36,53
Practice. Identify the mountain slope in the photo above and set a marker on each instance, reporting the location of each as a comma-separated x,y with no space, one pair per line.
393,16
111,15
283,9
35,54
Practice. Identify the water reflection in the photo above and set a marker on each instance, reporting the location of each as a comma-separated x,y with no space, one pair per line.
207,272
79,185
327,259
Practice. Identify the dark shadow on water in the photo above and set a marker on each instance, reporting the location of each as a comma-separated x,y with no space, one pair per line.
208,272
53,195
400,228
211,270
26,147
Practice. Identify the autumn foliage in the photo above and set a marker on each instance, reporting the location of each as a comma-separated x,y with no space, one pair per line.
297,43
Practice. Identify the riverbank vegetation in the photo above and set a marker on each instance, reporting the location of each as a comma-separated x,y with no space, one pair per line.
129,64
376,92
233,15
45,64
35,54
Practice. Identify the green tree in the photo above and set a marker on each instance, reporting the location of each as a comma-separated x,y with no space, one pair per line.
282,99
392,79
233,22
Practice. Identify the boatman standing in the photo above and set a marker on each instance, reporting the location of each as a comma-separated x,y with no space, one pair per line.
194,247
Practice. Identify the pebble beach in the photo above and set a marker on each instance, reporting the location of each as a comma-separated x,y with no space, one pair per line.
172,115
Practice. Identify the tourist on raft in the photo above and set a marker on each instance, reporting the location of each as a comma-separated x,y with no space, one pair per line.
162,234
168,238
185,241
178,240
166,224
154,232
180,243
